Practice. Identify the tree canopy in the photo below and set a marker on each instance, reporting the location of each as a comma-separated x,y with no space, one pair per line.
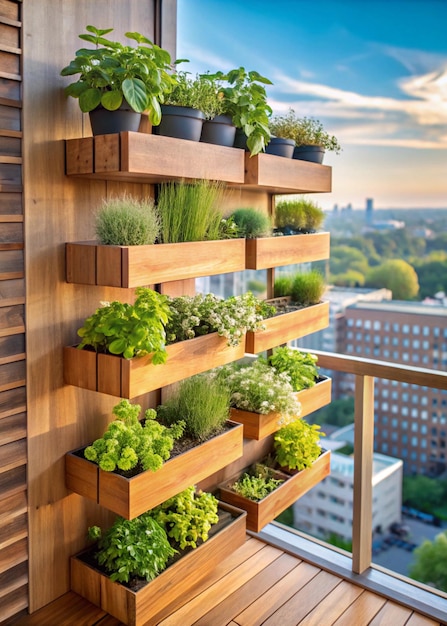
398,276
430,564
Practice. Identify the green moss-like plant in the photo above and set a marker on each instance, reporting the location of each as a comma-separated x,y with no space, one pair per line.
301,367
283,286
301,216
190,211
252,223
308,288
202,404
127,221
296,445
127,442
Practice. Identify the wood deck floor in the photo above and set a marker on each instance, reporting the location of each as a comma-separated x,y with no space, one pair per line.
258,584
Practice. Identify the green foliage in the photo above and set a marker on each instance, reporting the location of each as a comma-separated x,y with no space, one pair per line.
228,229
112,72
296,444
396,275
350,278
127,221
190,211
304,131
260,388
187,517
308,288
423,493
192,316
301,367
432,277
338,542
252,223
339,412
256,483
283,286
245,101
200,92
127,442
286,517
429,566
202,403
134,548
346,258
129,329
301,215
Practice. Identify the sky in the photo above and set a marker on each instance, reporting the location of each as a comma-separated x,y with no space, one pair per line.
373,72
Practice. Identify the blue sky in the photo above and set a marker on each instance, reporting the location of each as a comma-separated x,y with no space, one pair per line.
374,72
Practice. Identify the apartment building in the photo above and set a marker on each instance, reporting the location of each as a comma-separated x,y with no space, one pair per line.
326,509
411,421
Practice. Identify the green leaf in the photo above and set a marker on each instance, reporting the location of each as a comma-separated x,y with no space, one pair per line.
118,346
112,100
89,99
154,111
134,91
75,89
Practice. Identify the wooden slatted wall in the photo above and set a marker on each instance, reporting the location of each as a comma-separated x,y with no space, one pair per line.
13,452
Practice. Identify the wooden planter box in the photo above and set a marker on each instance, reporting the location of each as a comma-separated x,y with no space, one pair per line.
265,252
288,326
132,266
279,175
129,497
129,378
296,485
258,426
142,157
170,589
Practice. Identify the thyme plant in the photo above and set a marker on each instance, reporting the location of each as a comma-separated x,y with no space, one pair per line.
127,221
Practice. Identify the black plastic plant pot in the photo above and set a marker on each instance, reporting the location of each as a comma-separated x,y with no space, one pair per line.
180,122
105,122
315,154
220,130
280,146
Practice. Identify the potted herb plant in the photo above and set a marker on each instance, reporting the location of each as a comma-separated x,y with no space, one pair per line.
311,140
135,465
296,445
245,101
298,216
218,127
123,344
172,546
261,398
126,229
117,77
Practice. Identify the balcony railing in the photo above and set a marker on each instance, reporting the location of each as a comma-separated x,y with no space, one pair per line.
365,372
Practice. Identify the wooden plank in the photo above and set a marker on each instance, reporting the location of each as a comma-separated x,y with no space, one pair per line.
10,88
9,35
279,593
420,620
267,252
11,204
10,173
10,62
392,614
12,402
12,322
12,580
362,610
333,605
79,156
12,482
13,530
11,264
12,455
12,506
12,428
70,606
12,348
13,555
9,10
11,146
12,375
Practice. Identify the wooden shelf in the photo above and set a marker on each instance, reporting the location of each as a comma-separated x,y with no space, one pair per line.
135,608
146,158
130,497
294,486
129,378
140,157
132,266
288,326
266,252
258,426
267,172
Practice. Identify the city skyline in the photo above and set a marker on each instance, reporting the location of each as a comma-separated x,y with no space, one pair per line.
375,73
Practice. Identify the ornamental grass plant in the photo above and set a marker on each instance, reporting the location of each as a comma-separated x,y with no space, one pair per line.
190,211
298,216
252,223
127,221
304,288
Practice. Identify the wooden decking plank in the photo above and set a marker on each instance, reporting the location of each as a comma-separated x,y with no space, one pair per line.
68,609
222,588
248,593
362,610
280,592
420,620
334,604
301,603
391,614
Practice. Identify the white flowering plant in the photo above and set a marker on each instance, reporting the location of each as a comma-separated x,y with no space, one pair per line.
259,388
192,316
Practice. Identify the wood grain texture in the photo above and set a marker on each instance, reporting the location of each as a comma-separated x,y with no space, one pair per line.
265,252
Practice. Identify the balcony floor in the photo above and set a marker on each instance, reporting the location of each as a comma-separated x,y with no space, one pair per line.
258,584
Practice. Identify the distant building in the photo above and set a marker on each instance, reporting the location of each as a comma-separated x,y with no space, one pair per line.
327,508
385,225
410,421
369,210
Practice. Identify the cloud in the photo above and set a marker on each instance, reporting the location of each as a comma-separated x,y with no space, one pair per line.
416,117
